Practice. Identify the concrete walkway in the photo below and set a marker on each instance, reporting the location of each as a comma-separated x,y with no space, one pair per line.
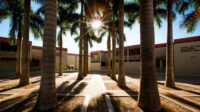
97,98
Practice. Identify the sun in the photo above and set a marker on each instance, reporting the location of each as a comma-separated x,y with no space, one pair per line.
96,24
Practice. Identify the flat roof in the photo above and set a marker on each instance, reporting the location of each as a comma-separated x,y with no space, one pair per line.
176,41
40,48
4,39
73,54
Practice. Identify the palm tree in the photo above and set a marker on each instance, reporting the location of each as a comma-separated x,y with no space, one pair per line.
80,72
113,43
47,94
109,51
121,78
14,10
85,46
169,48
192,17
131,10
15,13
66,20
24,79
66,16
148,98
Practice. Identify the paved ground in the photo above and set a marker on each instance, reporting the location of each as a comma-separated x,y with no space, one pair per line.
97,89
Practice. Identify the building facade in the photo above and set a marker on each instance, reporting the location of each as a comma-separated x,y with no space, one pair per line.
186,57
8,55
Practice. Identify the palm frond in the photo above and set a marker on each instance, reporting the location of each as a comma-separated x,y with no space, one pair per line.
191,20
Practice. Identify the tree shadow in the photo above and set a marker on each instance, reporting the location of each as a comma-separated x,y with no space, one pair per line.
17,86
195,80
182,100
177,88
64,88
98,104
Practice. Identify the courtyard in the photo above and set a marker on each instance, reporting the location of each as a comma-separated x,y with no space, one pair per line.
99,93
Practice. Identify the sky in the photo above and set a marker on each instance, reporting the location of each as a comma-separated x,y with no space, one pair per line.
132,35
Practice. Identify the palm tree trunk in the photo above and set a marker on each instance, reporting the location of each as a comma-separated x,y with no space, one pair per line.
85,44
19,51
60,56
24,79
80,72
121,78
108,46
148,98
85,52
169,48
86,55
47,94
113,47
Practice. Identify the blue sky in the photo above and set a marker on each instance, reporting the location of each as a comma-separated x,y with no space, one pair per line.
132,35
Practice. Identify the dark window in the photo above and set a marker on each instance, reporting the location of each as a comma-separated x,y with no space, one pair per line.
7,59
125,52
7,47
157,63
164,63
103,64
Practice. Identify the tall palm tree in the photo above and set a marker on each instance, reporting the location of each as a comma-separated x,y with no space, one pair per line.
116,33
192,17
131,10
47,94
109,51
121,78
14,11
148,98
113,43
169,48
24,79
65,19
85,46
80,71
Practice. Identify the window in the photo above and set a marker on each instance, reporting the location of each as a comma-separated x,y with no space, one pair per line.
103,64
95,57
7,47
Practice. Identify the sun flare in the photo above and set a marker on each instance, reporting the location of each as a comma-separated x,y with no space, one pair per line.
96,24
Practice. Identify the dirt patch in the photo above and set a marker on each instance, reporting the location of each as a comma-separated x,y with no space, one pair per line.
180,87
125,104
188,89
107,78
97,104
194,98
4,95
9,86
129,104
30,86
114,86
168,106
164,87
65,104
